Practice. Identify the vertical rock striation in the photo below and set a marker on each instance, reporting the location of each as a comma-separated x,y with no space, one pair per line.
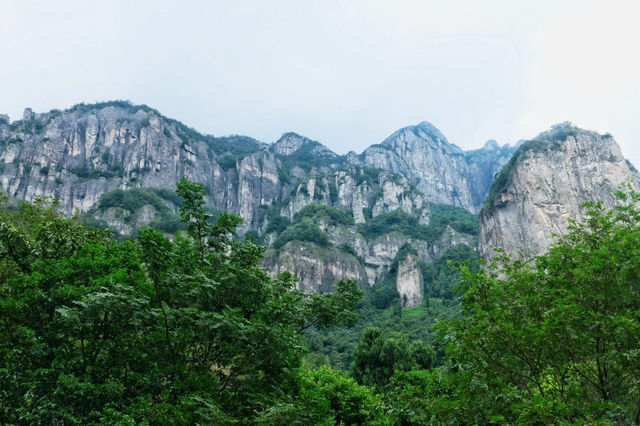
545,184
133,155
409,282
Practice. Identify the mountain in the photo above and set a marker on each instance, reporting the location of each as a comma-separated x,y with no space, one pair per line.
545,183
440,170
324,216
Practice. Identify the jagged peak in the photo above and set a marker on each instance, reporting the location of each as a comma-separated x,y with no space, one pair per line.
290,142
491,145
431,129
548,140
423,130
122,104
555,136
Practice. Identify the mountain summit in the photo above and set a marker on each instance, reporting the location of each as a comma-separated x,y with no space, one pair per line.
545,183
323,216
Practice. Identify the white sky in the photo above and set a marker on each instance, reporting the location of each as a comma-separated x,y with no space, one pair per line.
346,73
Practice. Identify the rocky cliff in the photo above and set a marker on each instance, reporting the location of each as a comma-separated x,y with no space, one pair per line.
409,282
117,163
440,170
545,183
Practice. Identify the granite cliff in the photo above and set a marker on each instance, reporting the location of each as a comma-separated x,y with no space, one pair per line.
117,163
545,183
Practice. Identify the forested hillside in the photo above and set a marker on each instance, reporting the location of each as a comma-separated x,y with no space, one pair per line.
100,331
116,163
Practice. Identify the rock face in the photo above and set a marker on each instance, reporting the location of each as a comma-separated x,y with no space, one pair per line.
317,268
409,282
88,152
82,153
545,184
440,170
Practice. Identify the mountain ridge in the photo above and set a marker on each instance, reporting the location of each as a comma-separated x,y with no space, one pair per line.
129,154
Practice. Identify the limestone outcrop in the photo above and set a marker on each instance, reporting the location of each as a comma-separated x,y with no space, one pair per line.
545,183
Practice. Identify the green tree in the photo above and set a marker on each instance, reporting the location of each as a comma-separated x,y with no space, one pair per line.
556,337
423,354
378,356
93,330
328,397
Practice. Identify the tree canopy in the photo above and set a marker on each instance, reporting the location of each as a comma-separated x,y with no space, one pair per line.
556,338
193,330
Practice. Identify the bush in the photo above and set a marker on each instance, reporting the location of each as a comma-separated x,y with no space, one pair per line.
305,230
458,218
277,224
132,200
442,215
227,162
321,211
348,248
442,277
384,294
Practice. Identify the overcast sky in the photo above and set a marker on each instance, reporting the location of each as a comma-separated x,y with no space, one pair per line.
345,73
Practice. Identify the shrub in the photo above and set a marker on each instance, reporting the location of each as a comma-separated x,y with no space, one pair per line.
227,162
348,248
384,294
277,224
322,211
399,221
305,230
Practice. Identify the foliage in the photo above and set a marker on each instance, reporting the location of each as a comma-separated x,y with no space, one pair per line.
442,276
333,191
277,224
459,219
234,146
305,230
327,397
558,334
437,396
381,308
188,331
349,403
442,216
332,215
133,200
367,174
384,294
227,162
84,173
378,356
348,248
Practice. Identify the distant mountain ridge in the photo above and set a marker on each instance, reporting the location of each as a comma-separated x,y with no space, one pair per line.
123,151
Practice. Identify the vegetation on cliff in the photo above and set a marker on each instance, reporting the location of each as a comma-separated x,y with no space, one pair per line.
93,330
550,139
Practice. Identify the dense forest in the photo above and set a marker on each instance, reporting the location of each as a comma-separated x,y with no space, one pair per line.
99,330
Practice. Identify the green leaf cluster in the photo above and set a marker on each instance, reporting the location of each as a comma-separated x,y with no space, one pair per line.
556,338
153,331
400,221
